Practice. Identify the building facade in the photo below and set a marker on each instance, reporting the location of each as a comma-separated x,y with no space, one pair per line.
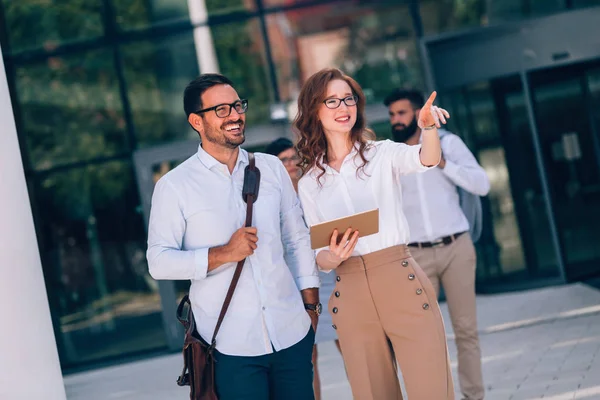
96,91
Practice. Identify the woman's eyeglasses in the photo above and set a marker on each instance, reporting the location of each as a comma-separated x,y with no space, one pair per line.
334,102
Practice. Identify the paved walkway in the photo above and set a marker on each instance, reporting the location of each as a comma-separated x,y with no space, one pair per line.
537,344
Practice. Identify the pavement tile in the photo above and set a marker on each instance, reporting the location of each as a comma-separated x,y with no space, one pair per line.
546,344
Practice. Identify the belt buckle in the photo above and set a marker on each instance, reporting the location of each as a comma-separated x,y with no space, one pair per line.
437,243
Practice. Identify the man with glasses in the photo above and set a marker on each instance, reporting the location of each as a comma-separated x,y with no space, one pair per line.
196,232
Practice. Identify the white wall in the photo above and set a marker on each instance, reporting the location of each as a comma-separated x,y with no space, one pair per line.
29,365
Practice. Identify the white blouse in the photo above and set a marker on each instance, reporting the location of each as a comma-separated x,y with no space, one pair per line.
377,186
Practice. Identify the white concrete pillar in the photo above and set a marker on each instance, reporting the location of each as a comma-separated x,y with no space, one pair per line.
29,365
205,47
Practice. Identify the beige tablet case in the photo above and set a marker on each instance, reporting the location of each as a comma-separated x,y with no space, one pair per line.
367,223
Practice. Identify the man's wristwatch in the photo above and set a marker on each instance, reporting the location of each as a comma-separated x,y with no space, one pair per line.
317,308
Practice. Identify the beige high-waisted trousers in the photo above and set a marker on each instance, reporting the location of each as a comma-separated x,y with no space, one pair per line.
385,310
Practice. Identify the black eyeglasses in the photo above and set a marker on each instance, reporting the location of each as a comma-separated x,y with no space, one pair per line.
224,110
335,102
293,159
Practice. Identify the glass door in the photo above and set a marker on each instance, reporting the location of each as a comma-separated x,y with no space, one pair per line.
566,112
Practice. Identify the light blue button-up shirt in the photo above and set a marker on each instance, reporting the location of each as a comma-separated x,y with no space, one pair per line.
198,205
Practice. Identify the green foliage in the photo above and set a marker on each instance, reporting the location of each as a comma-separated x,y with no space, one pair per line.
240,56
46,23
381,53
131,13
469,12
215,7
71,110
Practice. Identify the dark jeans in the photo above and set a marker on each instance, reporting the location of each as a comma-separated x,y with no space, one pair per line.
282,375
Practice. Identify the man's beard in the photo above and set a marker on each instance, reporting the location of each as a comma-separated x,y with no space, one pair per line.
217,137
406,132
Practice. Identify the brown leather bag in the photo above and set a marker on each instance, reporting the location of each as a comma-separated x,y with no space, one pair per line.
198,356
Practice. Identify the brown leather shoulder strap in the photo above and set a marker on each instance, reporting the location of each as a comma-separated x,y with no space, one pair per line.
240,264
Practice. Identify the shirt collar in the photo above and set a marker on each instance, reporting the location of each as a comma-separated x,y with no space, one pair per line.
210,162
349,157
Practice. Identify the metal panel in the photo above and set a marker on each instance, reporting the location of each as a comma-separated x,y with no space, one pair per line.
459,59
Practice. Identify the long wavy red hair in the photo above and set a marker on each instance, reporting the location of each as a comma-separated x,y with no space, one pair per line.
312,146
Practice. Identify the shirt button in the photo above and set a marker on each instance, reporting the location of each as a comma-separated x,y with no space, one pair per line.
264,308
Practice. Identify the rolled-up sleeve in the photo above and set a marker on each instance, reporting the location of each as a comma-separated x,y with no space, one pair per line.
295,236
405,159
166,229
311,217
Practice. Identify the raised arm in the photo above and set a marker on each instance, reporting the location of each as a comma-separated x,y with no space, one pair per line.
430,118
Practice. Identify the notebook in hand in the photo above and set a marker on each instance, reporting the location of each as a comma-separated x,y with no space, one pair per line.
366,222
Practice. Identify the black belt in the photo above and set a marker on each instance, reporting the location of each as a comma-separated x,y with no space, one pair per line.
446,240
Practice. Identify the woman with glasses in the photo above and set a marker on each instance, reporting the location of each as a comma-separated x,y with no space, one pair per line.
283,148
383,306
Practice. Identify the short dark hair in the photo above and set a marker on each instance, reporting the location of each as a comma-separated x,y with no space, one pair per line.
279,145
414,96
192,95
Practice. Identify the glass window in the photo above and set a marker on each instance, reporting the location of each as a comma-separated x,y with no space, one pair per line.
215,7
241,57
47,24
71,109
141,13
448,15
157,72
502,247
372,43
526,184
585,3
93,251
283,3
